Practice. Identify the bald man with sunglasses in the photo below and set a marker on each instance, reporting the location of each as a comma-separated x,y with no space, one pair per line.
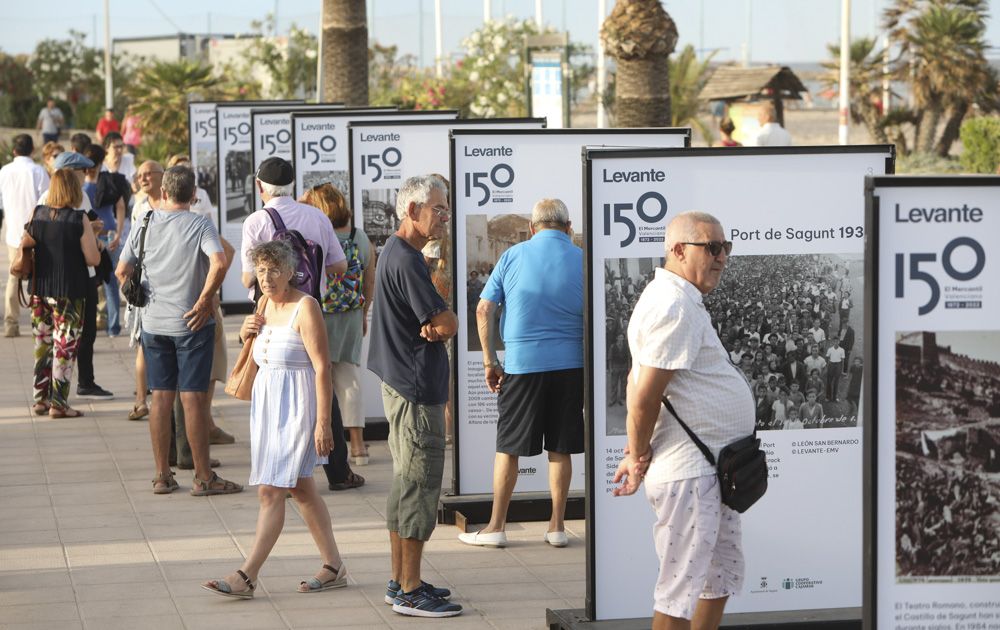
677,353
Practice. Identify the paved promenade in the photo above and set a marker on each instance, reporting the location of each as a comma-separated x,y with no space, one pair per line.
84,543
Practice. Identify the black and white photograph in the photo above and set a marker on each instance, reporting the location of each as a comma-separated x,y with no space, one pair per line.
208,171
624,280
789,323
340,179
239,186
947,456
378,207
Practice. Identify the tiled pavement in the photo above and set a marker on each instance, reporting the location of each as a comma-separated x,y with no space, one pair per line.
85,544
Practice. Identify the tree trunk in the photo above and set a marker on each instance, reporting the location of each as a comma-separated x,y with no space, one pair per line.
951,129
928,129
642,92
345,52
872,120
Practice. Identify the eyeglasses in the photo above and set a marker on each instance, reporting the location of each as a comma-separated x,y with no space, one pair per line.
270,273
148,174
714,247
440,211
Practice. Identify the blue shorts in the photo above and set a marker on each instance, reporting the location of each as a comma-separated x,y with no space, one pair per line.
179,363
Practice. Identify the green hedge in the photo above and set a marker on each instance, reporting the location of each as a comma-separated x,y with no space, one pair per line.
981,145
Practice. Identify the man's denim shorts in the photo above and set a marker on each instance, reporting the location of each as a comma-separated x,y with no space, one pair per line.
180,363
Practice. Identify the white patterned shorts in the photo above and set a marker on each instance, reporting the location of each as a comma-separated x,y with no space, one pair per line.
698,542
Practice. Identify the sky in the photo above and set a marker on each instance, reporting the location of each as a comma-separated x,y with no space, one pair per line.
779,31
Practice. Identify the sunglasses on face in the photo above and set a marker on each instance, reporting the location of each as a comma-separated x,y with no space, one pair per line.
714,247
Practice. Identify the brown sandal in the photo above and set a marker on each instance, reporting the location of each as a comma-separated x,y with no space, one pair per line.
167,483
41,408
64,412
202,488
138,412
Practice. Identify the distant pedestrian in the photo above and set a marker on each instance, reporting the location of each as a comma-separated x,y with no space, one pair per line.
50,121
117,159
107,123
132,131
22,182
726,129
771,133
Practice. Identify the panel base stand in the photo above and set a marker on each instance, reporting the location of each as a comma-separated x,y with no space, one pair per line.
839,619
464,509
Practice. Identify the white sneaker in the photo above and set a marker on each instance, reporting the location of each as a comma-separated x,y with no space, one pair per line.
556,539
496,539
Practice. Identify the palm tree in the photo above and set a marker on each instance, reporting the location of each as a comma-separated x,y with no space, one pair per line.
640,36
159,95
943,56
344,63
687,78
865,83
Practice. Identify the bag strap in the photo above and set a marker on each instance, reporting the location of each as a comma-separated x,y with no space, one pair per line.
694,438
142,238
279,225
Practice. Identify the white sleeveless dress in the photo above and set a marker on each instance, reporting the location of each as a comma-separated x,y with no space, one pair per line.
282,408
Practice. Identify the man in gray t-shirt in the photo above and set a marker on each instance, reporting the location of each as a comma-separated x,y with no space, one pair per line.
50,121
183,265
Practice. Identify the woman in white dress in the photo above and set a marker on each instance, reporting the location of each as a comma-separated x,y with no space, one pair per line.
289,421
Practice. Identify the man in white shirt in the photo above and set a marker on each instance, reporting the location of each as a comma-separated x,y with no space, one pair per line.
21,184
836,356
771,133
677,353
50,121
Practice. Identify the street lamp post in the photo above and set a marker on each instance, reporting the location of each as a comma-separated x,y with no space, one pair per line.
109,92
602,77
844,109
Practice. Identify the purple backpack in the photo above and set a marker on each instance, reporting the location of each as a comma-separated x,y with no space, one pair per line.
309,270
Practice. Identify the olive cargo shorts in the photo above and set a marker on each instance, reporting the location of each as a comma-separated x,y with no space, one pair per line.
416,442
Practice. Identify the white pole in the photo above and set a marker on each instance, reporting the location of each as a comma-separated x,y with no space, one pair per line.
886,88
747,52
319,61
438,41
538,13
109,91
602,77
487,11
845,71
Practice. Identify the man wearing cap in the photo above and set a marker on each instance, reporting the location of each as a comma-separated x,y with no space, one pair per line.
21,184
274,181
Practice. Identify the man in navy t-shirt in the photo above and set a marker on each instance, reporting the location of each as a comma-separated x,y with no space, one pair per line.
410,323
540,389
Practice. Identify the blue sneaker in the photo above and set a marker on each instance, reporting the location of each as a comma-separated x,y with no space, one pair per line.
392,591
423,603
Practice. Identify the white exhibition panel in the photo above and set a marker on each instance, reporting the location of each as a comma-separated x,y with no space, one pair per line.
801,205
321,144
321,151
385,153
937,563
235,181
497,178
271,135
202,149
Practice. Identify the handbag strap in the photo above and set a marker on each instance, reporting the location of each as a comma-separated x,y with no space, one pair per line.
142,240
694,438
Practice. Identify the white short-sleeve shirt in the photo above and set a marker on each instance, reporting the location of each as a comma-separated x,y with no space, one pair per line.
671,330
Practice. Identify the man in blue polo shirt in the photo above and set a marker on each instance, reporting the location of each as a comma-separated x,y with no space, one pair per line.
540,285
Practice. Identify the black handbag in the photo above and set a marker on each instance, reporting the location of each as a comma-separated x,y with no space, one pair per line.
133,291
742,467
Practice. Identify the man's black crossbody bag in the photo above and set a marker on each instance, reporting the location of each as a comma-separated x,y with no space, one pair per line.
133,291
742,467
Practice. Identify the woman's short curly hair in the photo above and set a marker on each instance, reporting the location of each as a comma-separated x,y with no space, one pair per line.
275,253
